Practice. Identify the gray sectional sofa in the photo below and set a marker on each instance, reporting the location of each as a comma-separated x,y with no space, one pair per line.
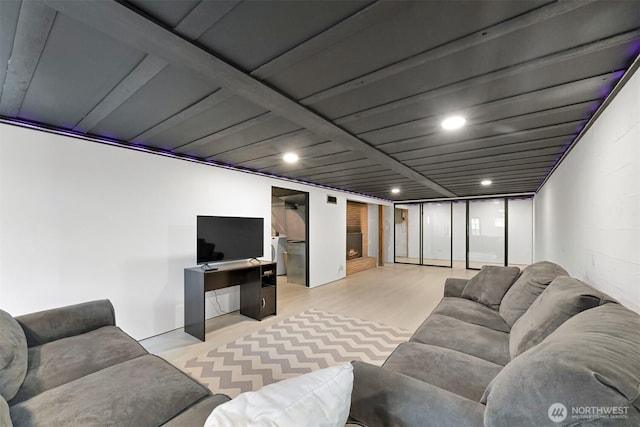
72,366
536,348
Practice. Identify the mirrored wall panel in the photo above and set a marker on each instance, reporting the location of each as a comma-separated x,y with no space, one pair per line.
486,235
436,234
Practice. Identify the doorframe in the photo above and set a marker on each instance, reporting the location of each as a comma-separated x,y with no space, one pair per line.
291,192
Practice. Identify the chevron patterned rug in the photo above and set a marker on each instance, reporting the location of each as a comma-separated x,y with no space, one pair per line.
303,343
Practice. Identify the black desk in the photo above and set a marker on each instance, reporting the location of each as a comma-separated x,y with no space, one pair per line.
257,281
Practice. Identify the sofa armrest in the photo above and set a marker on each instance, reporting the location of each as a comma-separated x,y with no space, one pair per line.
50,325
453,287
382,397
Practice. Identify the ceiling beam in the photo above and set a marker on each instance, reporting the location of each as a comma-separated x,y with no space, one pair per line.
34,24
566,130
492,76
502,166
210,101
330,168
264,147
475,146
147,69
388,176
501,29
576,87
355,172
9,13
371,15
135,30
202,17
238,127
479,157
494,175
368,16
435,139
531,155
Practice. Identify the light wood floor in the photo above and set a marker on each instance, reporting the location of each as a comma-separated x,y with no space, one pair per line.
397,295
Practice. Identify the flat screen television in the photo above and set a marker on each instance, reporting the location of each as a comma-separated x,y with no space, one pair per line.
225,238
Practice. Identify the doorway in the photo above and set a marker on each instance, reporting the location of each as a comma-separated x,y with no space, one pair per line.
290,234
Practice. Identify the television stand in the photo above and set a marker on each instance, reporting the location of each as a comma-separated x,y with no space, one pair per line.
257,283
207,267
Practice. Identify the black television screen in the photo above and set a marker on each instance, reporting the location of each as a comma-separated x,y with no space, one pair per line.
224,238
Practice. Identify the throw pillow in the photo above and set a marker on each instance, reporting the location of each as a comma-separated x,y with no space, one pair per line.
5,415
534,279
13,356
490,284
562,299
589,364
321,398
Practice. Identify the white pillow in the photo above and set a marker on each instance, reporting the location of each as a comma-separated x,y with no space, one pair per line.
321,398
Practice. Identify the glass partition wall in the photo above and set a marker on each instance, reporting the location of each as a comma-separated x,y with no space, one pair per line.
437,243
486,232
423,234
477,232
407,233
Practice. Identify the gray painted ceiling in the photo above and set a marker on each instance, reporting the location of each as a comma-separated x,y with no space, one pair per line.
356,88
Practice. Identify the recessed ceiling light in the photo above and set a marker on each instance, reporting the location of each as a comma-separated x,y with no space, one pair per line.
395,190
290,157
486,182
453,122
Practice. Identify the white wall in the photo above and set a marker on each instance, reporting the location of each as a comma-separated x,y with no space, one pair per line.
82,220
520,231
388,233
372,227
327,237
587,214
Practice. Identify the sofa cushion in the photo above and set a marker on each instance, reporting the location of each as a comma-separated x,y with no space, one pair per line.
490,284
5,416
382,397
471,312
564,298
320,398
145,391
197,414
532,281
13,356
465,375
64,360
590,362
456,334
